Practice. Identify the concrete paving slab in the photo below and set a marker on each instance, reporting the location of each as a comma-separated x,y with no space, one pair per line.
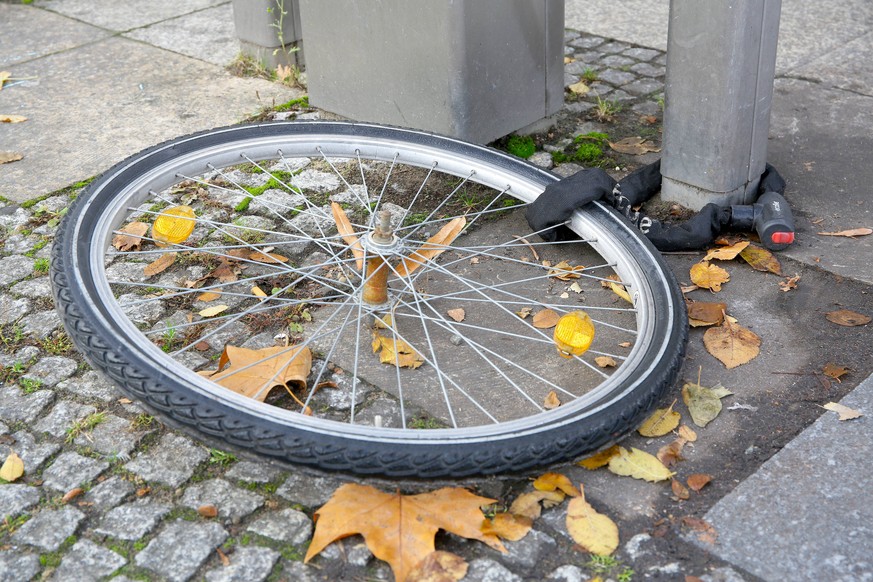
121,15
642,22
28,33
207,35
847,67
803,515
91,107
820,142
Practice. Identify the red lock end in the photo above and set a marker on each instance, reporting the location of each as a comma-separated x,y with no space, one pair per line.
782,238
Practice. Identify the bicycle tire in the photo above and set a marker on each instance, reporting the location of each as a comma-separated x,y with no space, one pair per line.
112,344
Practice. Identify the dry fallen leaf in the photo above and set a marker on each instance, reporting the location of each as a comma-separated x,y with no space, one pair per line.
617,287
439,567
12,118
268,258
687,433
593,531
6,157
672,453
635,146
346,231
12,469
553,481
579,88
208,510
457,314
600,459
834,371
564,271
639,465
789,283
212,311
850,233
131,239
704,313
660,422
432,247
254,373
709,276
258,292
703,403
508,526
524,312
726,253
552,401
845,412
160,265
847,318
208,296
679,490
528,504
72,494
705,532
4,76
605,362
732,344
399,529
395,351
698,481
545,319
761,259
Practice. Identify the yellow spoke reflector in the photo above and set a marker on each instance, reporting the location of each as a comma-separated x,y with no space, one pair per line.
174,225
574,333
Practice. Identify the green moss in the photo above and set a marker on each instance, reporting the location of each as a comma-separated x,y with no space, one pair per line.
560,157
588,153
301,103
522,146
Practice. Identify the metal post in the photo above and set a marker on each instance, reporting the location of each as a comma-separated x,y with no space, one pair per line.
721,61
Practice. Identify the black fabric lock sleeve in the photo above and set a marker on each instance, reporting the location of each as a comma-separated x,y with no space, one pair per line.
558,201
692,234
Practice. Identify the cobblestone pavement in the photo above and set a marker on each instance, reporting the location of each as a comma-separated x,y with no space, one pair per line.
140,484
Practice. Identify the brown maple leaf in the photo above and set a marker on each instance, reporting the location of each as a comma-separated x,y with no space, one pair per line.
399,529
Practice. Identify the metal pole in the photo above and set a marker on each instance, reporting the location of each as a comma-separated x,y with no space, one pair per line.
721,61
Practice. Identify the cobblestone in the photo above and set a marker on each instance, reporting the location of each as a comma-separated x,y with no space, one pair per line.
17,566
485,570
178,551
247,564
51,370
616,61
307,490
109,493
62,417
88,561
568,573
587,42
287,525
132,520
71,470
23,356
614,77
113,436
91,385
17,498
529,550
232,503
16,406
48,529
41,324
31,452
648,70
613,47
171,461
644,87
37,288
14,268
641,54
11,310
253,472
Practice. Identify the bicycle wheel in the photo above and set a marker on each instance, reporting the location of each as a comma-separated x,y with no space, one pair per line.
258,329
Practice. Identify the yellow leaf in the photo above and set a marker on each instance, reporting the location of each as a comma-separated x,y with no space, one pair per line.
439,566
617,287
639,465
173,225
687,433
849,233
552,401
709,276
130,237
635,146
726,253
703,403
254,373
604,362
12,118
563,271
4,76
384,322
761,259
6,157
395,351
524,312
433,246
660,422
258,292
399,529
346,230
845,412
579,88
268,258
457,314
545,319
528,504
160,265
213,311
600,459
208,296
834,371
593,531
12,469
508,526
732,344
703,313
553,481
